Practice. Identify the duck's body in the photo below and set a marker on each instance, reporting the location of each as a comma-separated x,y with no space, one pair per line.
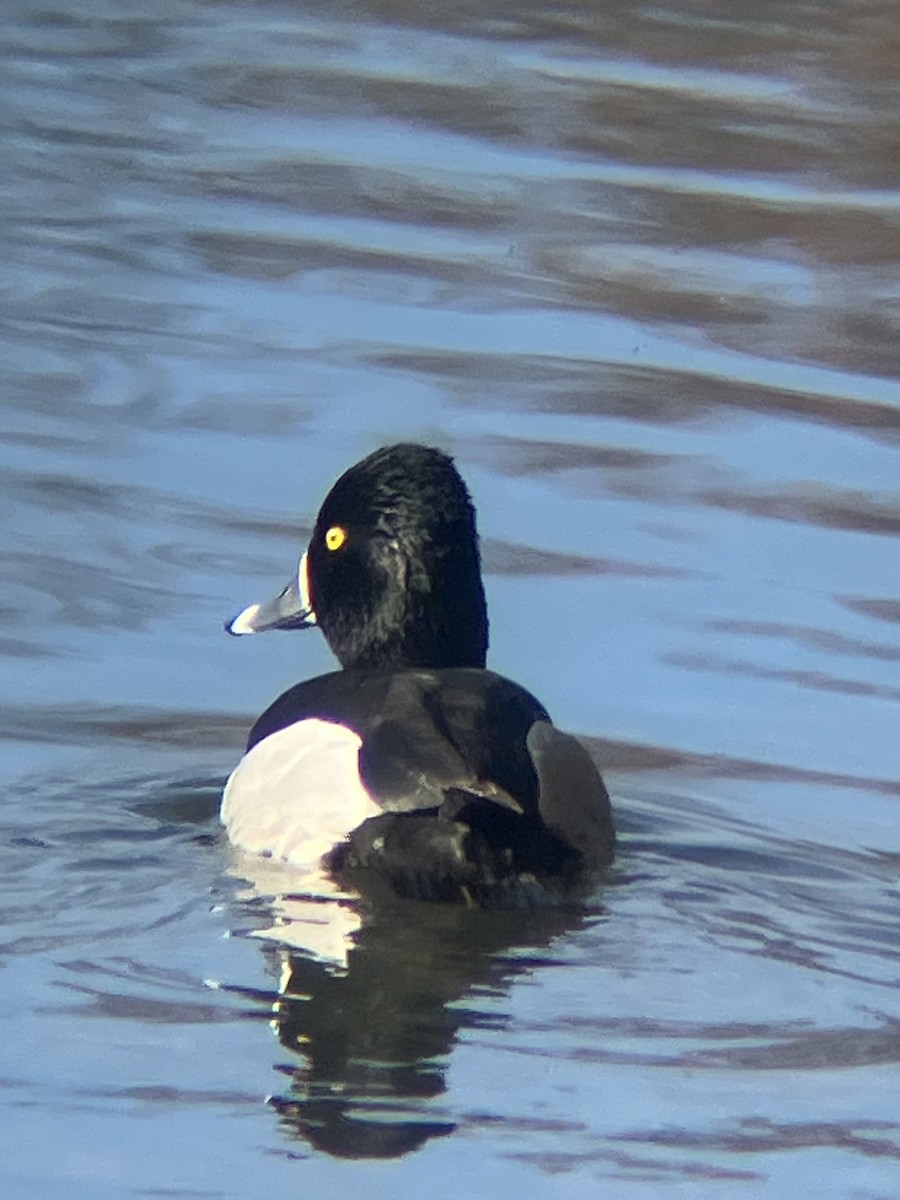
413,765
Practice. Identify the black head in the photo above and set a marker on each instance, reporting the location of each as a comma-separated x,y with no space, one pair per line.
392,574
393,568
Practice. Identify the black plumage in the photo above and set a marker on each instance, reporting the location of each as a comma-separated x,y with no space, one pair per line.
478,796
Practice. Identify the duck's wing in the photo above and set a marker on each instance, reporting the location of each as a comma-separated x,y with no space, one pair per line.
412,765
518,804
572,797
439,735
474,842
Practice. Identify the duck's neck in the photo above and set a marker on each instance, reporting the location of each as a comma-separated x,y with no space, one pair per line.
428,623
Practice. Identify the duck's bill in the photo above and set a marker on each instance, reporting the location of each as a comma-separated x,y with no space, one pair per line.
287,611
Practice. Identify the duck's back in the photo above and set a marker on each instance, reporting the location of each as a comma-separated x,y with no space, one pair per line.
443,782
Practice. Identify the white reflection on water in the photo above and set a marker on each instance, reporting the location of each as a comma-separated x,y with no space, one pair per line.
308,911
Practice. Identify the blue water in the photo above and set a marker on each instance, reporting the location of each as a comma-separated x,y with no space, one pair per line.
637,269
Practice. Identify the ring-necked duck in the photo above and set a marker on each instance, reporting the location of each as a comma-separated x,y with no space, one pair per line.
413,765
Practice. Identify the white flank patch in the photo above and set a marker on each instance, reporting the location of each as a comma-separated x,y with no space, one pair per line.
297,793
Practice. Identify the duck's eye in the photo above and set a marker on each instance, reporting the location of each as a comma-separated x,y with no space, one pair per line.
335,537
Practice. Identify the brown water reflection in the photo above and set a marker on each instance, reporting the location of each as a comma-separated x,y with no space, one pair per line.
637,394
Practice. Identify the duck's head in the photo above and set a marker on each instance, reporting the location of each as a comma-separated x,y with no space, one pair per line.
392,574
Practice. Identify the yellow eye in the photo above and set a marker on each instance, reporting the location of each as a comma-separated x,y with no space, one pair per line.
335,537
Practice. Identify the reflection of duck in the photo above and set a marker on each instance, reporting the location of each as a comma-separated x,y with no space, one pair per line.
413,767
305,909
373,1038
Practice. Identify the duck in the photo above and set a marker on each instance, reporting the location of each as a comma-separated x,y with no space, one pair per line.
413,768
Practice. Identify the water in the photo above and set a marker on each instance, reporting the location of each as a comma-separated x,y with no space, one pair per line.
637,268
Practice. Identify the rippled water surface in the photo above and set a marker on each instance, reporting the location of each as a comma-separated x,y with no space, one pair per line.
636,267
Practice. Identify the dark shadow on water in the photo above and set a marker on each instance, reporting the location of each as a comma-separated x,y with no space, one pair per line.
369,1044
